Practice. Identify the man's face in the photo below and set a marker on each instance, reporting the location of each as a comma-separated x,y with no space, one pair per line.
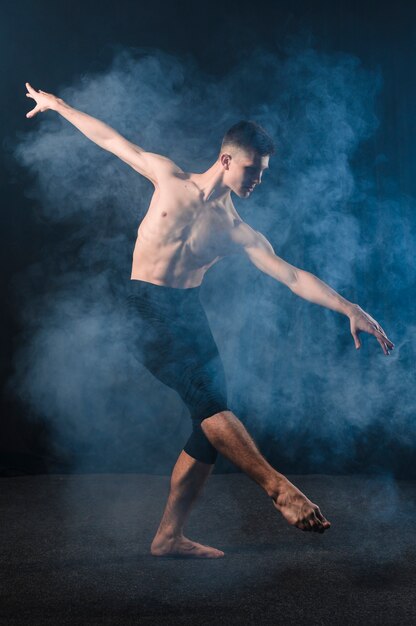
243,171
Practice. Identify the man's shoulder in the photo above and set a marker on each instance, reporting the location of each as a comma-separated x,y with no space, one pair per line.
241,233
236,219
165,166
170,172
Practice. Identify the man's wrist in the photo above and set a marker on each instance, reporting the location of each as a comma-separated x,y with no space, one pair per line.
349,308
59,105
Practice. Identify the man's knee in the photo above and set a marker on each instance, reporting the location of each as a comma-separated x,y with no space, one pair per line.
198,446
217,419
221,424
222,414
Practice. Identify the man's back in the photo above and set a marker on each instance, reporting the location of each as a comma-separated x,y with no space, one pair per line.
183,234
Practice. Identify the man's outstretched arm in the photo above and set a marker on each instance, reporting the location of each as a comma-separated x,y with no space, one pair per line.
306,285
152,166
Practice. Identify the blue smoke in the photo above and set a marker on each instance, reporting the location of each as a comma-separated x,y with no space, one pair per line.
293,373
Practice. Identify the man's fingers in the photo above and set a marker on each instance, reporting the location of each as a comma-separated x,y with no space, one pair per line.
378,329
382,338
30,88
386,341
383,345
356,340
373,328
381,331
33,112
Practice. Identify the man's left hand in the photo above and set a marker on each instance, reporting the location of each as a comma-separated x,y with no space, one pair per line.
362,321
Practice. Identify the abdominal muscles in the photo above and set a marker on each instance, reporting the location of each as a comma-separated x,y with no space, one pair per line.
175,247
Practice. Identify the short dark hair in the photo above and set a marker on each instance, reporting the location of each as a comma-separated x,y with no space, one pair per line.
249,135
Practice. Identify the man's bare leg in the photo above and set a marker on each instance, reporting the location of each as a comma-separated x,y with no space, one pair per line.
228,435
187,480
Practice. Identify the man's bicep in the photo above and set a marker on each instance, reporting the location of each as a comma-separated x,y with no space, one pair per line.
149,164
260,252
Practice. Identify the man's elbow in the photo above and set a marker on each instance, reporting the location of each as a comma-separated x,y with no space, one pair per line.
282,271
292,278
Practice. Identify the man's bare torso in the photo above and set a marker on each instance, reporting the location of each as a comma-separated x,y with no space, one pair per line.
182,235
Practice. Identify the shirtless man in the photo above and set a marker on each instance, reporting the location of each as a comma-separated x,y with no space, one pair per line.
190,225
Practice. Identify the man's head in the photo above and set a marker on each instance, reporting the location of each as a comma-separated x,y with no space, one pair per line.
244,154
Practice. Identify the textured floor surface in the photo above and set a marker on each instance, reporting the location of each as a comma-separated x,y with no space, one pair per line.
75,550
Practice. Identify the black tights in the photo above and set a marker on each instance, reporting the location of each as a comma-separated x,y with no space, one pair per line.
174,342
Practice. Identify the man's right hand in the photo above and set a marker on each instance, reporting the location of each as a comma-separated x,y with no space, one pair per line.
153,166
44,101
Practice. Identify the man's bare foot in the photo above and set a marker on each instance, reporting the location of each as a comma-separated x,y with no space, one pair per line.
181,546
298,510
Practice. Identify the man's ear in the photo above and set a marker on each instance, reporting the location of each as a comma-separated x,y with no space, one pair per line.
226,160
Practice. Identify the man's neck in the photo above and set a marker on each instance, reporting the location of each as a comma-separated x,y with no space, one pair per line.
211,183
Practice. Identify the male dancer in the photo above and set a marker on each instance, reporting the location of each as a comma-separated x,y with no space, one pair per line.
192,223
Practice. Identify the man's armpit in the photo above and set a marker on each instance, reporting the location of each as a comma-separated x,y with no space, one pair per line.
151,165
245,239
260,252
154,166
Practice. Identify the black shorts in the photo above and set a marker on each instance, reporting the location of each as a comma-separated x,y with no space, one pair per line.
174,342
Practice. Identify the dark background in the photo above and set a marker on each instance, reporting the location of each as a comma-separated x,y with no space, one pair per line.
50,43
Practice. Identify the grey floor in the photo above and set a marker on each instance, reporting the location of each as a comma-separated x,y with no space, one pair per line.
75,550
